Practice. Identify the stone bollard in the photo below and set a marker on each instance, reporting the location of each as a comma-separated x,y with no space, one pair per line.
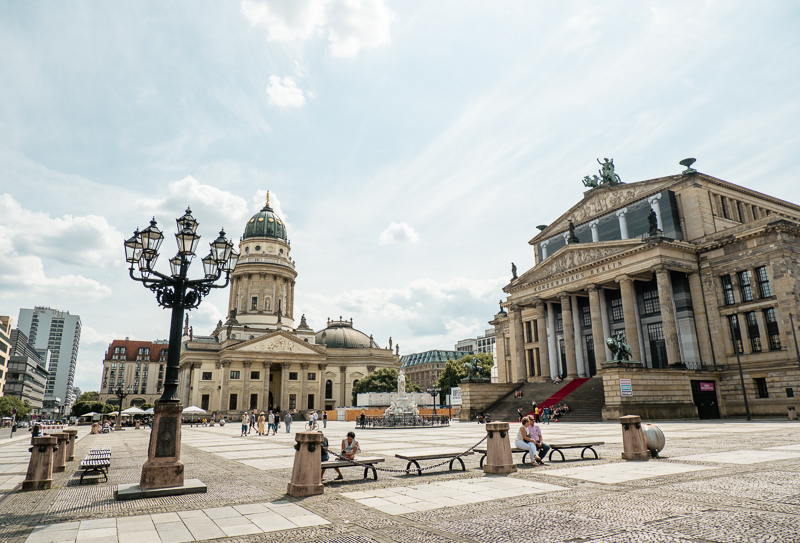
73,436
634,444
40,467
307,468
792,414
60,460
498,449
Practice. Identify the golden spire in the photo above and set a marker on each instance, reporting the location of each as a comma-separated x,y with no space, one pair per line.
267,197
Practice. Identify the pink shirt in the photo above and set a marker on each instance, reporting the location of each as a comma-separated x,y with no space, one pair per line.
534,433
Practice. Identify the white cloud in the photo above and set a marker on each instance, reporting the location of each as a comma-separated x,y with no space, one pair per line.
348,24
285,92
398,233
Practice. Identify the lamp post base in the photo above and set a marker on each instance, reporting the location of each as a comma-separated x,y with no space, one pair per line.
164,468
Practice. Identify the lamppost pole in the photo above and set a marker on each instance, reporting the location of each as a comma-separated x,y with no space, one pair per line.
120,393
177,292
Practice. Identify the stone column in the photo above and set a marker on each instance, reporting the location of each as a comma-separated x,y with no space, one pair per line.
552,347
541,325
322,368
601,293
656,207
343,391
569,335
623,222
246,386
194,385
593,226
223,396
544,245
629,313
285,386
668,322
265,387
598,337
518,372
303,403
576,325
700,321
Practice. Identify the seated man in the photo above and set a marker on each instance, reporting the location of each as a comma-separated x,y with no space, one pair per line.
535,433
325,457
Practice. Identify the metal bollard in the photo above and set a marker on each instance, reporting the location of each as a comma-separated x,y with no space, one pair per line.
307,468
498,449
40,467
634,444
60,460
73,435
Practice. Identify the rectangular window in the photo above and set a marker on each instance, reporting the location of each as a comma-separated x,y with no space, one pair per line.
736,334
752,331
254,303
616,310
312,377
651,305
206,376
293,376
764,291
727,290
587,316
761,387
528,333
270,377
745,286
292,401
204,399
773,333
559,322
253,401
255,375
311,401
232,402
234,374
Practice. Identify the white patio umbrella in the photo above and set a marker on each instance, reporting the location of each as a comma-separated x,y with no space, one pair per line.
90,414
194,410
133,411
150,411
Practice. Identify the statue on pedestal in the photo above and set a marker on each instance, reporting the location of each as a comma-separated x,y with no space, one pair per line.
618,347
401,384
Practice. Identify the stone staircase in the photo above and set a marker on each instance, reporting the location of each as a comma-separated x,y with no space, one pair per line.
586,402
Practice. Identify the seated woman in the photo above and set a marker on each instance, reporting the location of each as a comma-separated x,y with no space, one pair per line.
349,446
524,442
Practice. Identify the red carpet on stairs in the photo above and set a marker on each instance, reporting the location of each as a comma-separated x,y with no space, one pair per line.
562,393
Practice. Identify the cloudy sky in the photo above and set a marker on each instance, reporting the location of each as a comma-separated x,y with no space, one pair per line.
410,146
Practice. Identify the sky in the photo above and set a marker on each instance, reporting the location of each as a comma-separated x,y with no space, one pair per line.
411,147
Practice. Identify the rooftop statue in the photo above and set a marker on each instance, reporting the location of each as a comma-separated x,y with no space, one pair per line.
513,271
592,181
607,173
652,221
572,238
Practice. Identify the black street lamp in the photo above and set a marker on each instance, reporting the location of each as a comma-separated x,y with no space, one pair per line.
177,292
121,392
434,392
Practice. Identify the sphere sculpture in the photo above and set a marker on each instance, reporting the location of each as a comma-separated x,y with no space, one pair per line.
655,439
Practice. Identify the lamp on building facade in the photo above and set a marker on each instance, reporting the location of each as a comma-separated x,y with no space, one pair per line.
177,292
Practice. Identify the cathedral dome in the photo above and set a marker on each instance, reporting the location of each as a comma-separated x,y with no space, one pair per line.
265,224
341,335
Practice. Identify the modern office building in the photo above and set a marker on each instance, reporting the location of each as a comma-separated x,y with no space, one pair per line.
60,333
480,344
136,366
694,273
5,349
27,372
423,368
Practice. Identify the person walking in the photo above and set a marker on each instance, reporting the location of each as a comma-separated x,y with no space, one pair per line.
546,415
261,419
271,423
519,412
324,419
245,423
253,419
288,420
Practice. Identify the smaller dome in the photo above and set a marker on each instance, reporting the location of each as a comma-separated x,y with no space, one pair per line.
341,335
265,224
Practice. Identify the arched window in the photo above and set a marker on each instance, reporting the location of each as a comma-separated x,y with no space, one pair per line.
328,389
355,383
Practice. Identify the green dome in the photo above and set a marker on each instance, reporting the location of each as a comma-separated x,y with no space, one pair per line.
265,224
341,335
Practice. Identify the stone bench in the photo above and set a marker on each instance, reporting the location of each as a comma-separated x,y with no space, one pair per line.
96,461
415,458
366,462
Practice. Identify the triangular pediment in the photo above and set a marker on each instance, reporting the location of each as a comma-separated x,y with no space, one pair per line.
603,200
574,257
278,342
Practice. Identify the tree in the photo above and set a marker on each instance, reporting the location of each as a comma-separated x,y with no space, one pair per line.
81,408
382,380
455,370
88,397
146,406
8,403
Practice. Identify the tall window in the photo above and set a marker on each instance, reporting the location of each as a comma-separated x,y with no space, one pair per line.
764,291
773,333
616,310
253,401
204,399
752,331
745,286
254,303
292,401
736,334
651,304
587,316
328,389
559,322
311,401
727,290
232,402
761,387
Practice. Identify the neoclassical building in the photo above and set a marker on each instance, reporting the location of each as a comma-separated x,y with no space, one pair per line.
696,273
258,358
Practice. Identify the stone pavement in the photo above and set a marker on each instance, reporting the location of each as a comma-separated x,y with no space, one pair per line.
718,482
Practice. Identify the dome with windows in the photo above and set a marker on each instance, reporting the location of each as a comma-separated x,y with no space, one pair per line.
265,224
341,335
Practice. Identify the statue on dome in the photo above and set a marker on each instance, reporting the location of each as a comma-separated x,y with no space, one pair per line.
398,349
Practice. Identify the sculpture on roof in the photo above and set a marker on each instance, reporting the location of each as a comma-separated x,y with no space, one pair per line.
572,238
592,182
390,343
607,173
652,221
398,349
513,271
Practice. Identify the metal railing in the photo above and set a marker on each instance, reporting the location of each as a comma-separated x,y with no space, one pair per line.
403,421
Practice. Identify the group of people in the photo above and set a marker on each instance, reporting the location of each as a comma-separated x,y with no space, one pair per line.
483,419
254,421
529,438
546,414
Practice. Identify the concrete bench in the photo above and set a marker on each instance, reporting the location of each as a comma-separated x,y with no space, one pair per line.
367,462
415,458
586,446
96,461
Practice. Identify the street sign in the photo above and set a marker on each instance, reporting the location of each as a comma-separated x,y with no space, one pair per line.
625,387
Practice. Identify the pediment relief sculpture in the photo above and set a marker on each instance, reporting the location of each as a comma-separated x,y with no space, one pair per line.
277,344
571,259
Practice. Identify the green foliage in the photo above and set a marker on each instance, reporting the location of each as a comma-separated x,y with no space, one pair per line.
87,397
455,370
382,380
81,408
7,403
146,406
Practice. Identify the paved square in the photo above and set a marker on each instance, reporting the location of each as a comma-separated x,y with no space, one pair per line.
741,456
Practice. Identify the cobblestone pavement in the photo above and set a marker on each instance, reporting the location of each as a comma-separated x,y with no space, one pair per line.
716,482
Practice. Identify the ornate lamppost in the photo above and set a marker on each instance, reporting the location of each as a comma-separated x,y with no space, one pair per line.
176,291
121,393
434,392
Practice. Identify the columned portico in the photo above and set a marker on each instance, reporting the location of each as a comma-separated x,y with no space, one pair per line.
668,315
569,335
629,314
